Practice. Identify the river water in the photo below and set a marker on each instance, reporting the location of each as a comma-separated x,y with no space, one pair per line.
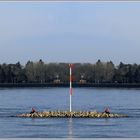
20,100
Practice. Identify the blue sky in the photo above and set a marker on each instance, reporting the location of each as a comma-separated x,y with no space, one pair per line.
70,31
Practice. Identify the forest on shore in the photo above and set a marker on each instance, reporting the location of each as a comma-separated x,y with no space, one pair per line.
40,72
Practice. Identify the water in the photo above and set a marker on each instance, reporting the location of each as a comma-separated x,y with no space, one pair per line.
15,101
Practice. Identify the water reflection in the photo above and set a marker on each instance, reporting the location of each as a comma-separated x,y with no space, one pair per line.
70,128
106,121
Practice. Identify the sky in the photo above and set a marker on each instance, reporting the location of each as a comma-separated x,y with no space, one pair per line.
70,32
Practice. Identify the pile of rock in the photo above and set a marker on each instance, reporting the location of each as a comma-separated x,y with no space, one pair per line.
67,114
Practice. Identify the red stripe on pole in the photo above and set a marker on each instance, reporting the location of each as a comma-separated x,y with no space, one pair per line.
70,65
70,91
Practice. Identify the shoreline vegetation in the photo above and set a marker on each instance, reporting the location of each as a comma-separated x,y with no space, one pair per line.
99,85
41,74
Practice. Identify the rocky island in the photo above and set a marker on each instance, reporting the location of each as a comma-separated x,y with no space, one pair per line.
67,114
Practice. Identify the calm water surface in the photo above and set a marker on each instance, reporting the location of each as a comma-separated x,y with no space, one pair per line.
15,101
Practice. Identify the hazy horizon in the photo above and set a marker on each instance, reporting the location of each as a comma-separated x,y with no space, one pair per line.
70,32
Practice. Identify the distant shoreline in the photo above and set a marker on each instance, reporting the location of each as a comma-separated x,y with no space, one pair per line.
98,85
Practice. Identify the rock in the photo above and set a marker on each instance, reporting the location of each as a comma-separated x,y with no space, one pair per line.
67,114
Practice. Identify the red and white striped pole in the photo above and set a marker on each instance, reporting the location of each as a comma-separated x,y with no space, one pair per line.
70,85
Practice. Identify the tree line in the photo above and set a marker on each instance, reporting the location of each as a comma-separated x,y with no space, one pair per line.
40,72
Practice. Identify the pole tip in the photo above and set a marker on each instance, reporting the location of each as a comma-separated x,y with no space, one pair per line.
70,65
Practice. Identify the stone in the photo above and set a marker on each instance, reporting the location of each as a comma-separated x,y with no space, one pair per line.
67,114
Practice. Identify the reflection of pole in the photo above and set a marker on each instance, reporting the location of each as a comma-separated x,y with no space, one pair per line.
70,131
70,85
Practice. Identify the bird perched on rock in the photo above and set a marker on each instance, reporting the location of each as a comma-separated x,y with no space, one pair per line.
33,110
107,111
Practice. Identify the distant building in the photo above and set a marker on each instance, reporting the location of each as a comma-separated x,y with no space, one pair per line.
82,81
56,81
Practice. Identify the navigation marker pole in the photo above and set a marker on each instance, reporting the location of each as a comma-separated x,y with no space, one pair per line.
70,65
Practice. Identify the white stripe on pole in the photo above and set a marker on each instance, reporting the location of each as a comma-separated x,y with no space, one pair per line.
70,104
